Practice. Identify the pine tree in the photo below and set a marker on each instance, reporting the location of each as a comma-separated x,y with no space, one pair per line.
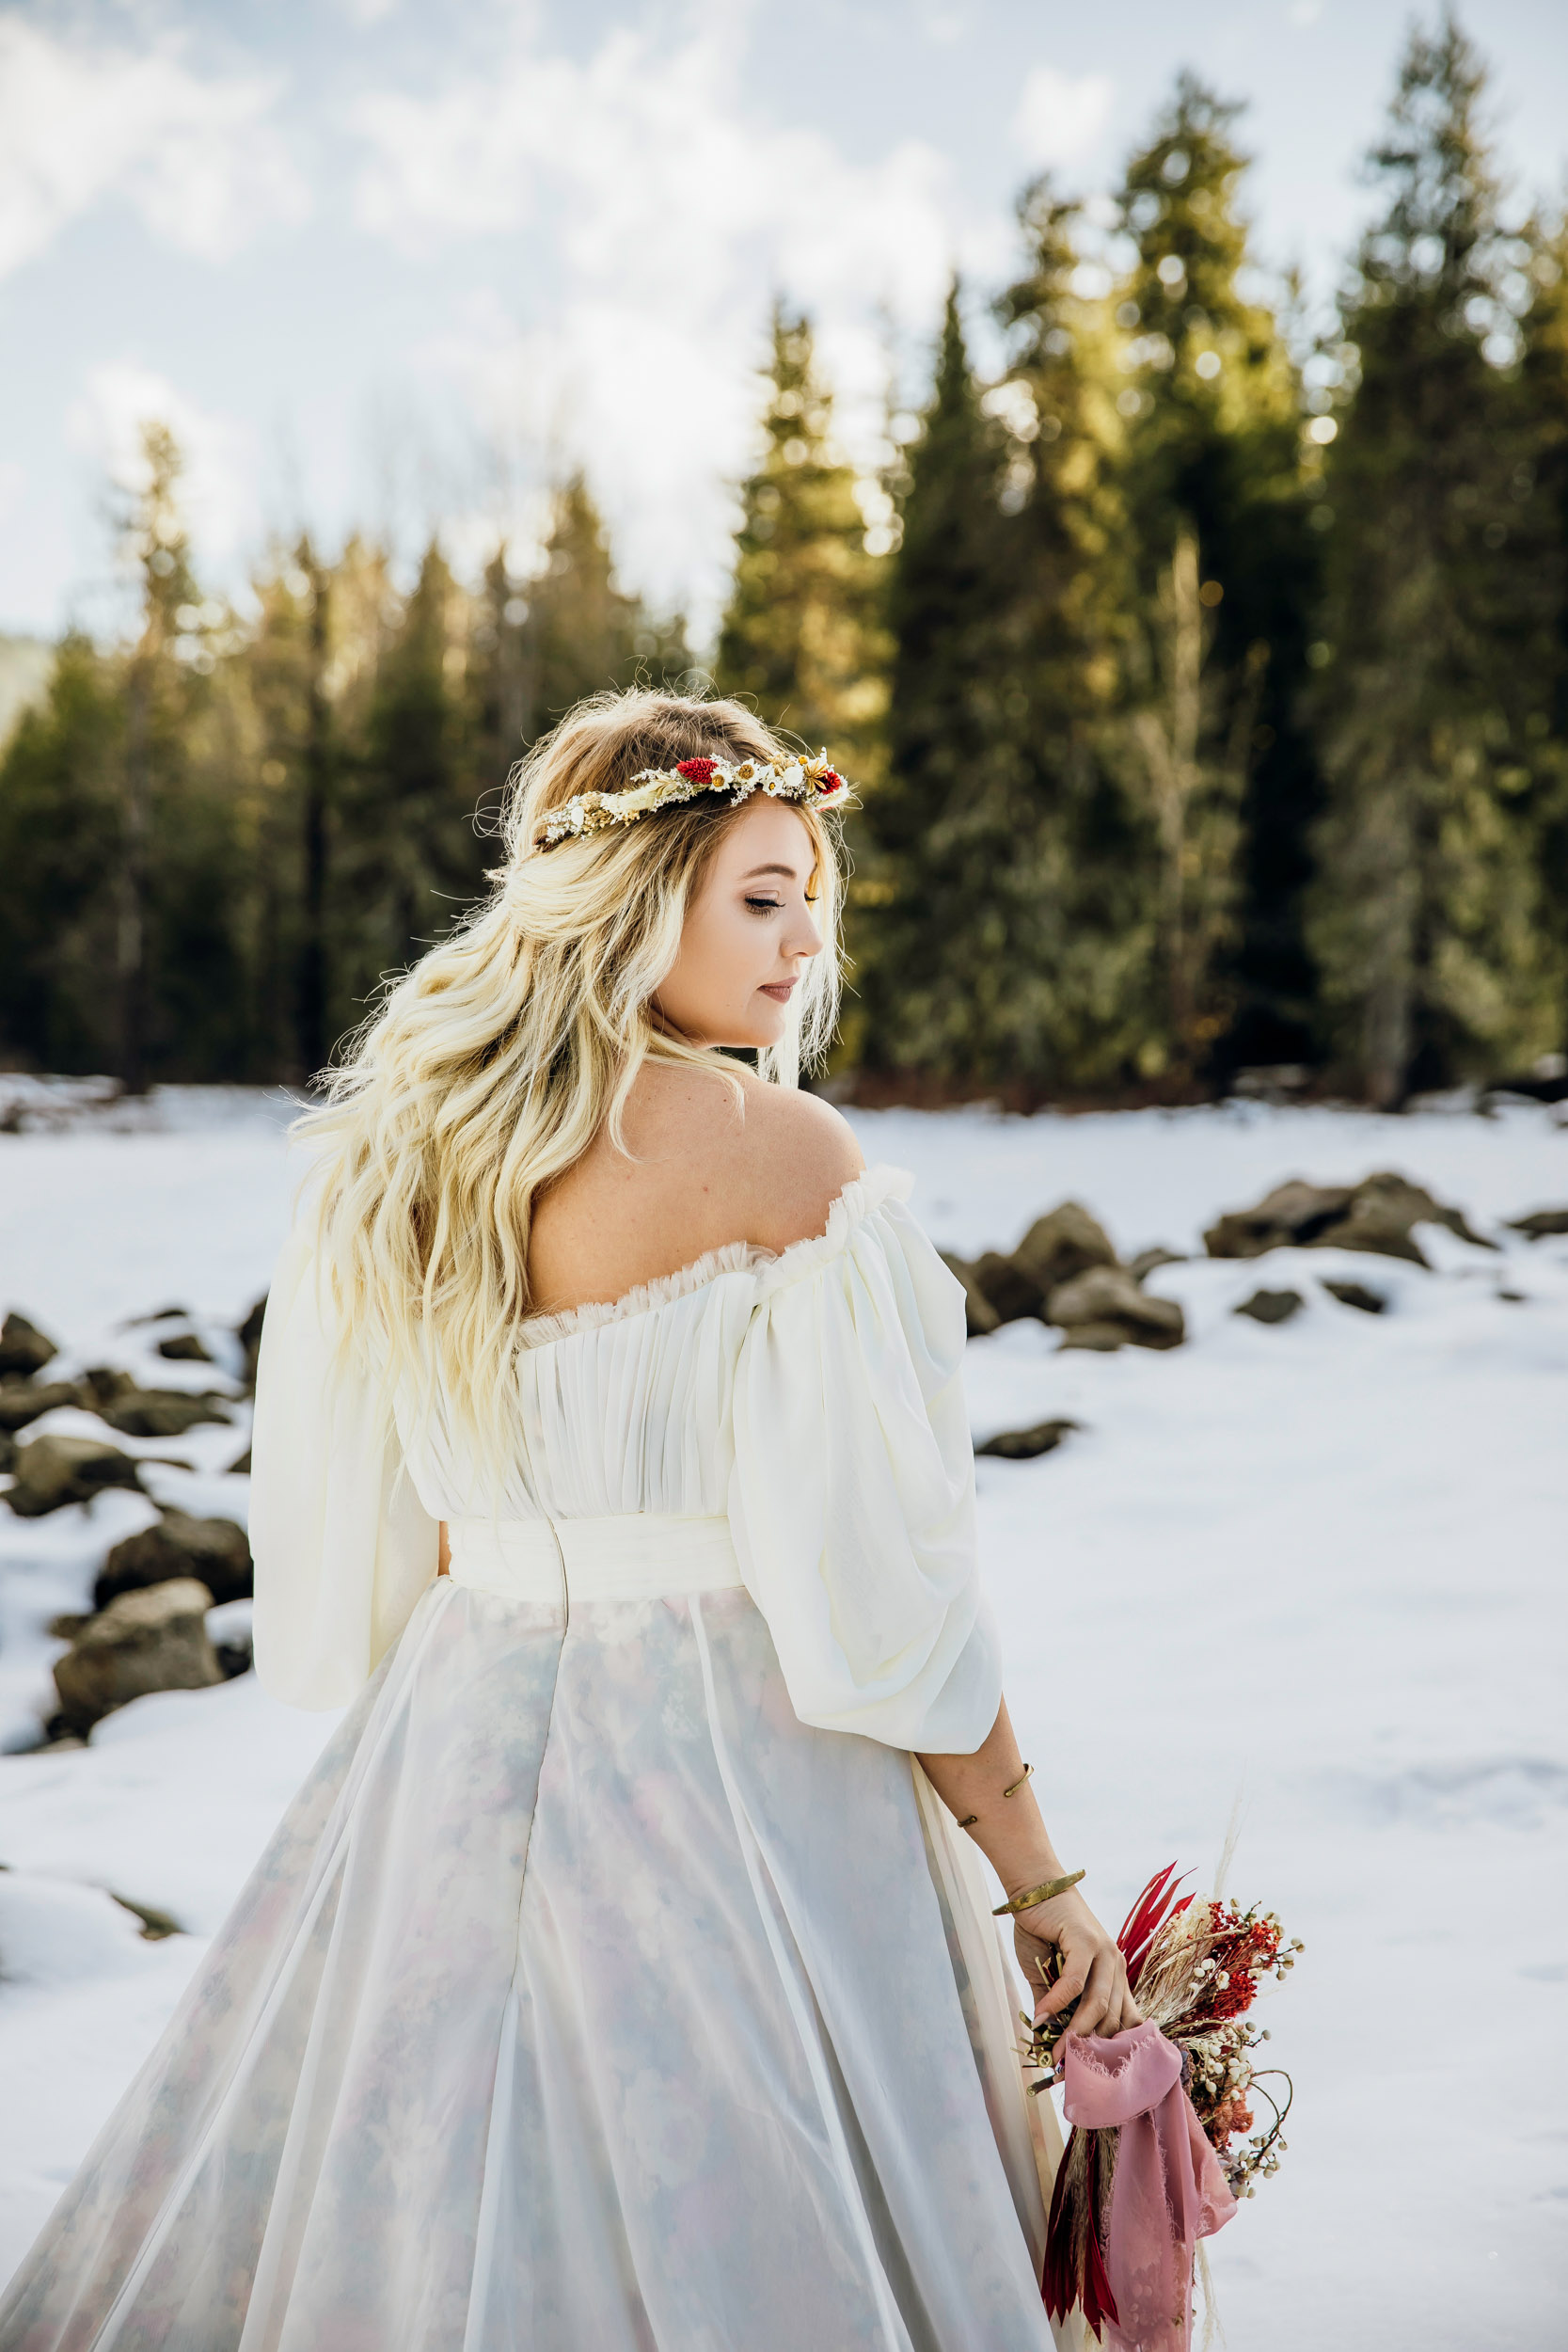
1212,462
802,638
1540,489
411,806
1430,924
60,838
1083,984
155,538
943,853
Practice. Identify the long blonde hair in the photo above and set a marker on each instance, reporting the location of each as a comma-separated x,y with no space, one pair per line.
489,1068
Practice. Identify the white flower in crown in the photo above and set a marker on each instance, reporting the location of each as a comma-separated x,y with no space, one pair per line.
810,780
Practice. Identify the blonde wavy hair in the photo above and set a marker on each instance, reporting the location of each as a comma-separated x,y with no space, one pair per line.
487,1070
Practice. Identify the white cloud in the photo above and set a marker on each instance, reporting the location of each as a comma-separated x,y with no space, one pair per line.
653,215
81,125
1057,118
218,493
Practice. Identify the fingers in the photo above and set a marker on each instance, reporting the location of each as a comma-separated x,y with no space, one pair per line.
1068,1987
1107,2006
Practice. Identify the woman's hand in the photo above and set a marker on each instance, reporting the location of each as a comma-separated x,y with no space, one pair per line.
1093,1971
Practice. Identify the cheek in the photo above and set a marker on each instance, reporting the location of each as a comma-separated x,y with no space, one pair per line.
733,945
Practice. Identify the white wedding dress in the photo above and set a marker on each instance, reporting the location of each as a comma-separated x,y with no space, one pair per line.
616,1982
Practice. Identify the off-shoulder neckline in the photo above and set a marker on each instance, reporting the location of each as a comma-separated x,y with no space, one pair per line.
860,1199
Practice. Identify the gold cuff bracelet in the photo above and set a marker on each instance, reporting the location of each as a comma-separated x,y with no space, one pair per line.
1033,1895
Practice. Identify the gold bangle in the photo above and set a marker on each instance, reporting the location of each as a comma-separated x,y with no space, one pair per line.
1027,1773
1033,1895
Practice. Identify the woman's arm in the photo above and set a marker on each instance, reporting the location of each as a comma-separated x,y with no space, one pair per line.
1011,1834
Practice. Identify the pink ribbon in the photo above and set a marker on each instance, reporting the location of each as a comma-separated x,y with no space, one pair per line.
1168,2189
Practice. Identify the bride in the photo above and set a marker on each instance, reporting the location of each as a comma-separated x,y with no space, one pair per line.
621,1978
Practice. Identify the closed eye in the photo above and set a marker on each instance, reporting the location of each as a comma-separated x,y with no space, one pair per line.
765,906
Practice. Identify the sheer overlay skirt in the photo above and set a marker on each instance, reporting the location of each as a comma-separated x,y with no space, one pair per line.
584,1998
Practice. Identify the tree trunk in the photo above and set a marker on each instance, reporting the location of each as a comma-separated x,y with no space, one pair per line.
131,944
314,1041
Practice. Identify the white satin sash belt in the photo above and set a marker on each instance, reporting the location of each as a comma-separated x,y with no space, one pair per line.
632,1555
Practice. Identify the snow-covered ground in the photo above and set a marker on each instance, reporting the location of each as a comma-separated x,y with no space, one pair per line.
1320,1565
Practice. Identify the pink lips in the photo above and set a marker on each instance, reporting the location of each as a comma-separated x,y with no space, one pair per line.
780,990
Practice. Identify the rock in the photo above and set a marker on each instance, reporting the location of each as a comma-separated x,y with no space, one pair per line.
1357,1294
1107,1300
1149,1261
1011,1294
1067,1241
214,1551
1377,1215
23,1348
1272,1306
249,1333
22,1401
1102,1337
8,1451
66,1629
155,1924
183,1348
231,1630
1291,1216
980,1316
1026,1445
1541,1223
137,1412
147,1641
160,1314
160,1413
53,1471
242,1467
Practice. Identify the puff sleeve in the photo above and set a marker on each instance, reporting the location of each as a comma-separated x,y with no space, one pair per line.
851,1500
343,1545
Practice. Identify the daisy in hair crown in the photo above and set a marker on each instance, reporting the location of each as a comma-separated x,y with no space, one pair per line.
810,780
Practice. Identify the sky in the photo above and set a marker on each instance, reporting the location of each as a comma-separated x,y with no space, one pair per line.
396,266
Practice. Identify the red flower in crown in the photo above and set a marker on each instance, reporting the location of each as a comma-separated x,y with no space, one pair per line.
829,781
697,770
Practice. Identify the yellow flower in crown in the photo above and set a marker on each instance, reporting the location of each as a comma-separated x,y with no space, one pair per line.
812,779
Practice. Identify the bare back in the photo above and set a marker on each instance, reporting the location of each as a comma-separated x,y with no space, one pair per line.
704,1169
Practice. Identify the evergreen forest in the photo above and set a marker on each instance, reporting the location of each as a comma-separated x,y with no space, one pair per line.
1202,661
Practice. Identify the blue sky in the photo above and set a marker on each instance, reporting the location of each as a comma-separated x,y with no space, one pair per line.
386,265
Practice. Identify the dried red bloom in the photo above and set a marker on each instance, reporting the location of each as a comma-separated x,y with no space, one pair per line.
697,770
829,781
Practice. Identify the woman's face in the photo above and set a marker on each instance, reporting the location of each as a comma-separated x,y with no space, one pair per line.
749,933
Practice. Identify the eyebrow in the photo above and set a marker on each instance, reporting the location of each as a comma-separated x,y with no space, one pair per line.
787,871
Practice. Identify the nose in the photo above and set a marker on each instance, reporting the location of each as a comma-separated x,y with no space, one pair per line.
805,939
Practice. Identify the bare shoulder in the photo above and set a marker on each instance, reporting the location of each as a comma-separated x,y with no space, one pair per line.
796,1156
710,1160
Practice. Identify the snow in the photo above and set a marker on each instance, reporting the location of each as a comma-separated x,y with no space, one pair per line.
1317,1565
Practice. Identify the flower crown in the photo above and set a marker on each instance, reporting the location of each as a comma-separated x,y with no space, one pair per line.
664,788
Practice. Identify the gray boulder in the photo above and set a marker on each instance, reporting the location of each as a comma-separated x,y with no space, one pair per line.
183,1348
53,1471
980,1316
1105,1308
1356,1294
139,1412
1377,1215
1067,1241
1149,1261
148,1641
1011,1295
215,1552
249,1333
1541,1224
22,1401
1272,1306
1027,1445
23,1348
